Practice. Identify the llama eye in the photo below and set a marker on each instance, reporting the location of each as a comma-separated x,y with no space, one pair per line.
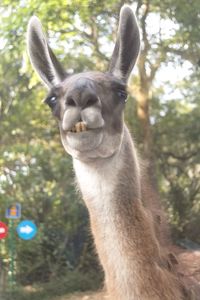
122,95
51,101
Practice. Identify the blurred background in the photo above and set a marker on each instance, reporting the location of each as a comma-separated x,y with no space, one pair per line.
162,113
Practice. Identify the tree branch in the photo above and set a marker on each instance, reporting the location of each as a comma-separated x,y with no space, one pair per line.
192,56
180,157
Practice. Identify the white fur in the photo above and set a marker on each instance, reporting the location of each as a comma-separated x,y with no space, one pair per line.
97,184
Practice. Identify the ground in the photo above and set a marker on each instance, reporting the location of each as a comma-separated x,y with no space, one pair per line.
84,296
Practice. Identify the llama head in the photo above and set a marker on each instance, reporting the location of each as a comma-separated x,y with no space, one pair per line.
89,106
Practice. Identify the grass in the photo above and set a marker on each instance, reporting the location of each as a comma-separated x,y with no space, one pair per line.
73,281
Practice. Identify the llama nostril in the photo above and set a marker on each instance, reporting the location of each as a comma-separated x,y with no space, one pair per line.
70,101
91,101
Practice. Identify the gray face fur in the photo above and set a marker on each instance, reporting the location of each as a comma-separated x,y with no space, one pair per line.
89,103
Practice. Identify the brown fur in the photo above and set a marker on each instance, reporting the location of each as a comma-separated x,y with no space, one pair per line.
151,270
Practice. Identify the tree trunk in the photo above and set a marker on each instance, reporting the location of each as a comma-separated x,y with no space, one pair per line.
143,116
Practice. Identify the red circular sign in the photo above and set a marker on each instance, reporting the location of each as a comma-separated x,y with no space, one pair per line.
3,230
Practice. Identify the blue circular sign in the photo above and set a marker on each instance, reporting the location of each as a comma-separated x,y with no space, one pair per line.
26,230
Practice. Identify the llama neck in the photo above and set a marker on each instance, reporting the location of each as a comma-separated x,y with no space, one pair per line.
99,180
122,229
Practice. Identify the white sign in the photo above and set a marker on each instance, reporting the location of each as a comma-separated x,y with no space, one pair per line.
2,230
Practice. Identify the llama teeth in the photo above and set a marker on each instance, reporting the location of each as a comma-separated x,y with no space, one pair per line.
79,127
83,126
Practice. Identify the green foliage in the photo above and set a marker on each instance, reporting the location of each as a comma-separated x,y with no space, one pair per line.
177,147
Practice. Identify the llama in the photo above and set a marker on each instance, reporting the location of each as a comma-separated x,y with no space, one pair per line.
89,108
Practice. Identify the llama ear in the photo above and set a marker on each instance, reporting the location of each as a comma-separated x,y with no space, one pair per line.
42,57
127,46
